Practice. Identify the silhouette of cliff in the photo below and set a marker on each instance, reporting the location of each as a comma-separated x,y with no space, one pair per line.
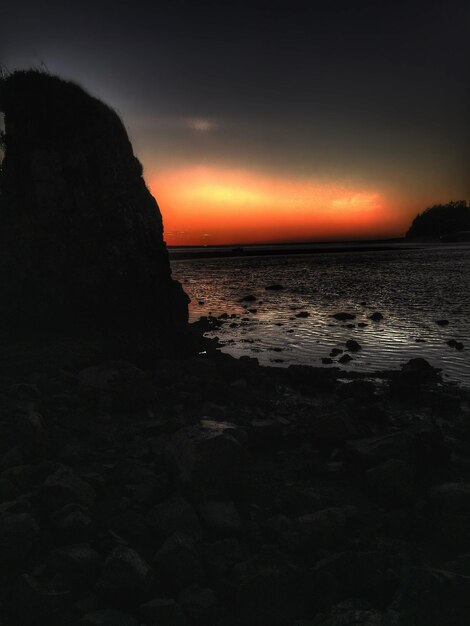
441,221
81,236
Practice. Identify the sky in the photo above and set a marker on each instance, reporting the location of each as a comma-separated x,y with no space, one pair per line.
270,121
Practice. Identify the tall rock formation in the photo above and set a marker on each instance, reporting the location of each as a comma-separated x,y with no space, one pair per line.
81,237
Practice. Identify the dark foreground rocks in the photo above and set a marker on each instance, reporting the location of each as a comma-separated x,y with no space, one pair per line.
210,491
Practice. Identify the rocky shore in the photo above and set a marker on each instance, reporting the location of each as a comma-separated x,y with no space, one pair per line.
212,491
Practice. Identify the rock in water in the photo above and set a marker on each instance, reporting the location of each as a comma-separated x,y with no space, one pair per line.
81,235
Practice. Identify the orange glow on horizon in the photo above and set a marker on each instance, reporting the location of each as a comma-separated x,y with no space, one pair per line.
209,205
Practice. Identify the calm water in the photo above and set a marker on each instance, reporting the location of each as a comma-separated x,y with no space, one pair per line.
412,288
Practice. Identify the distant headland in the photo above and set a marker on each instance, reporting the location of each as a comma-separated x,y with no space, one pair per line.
442,222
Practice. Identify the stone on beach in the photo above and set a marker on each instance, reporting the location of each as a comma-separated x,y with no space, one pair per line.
344,317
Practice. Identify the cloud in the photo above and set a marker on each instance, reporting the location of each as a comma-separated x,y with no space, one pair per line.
201,124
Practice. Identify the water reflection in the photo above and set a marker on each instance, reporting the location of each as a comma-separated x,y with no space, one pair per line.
411,288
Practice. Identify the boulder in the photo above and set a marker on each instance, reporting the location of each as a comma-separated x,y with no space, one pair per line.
162,611
175,514
116,385
177,563
107,617
331,527
352,345
209,455
453,498
19,535
351,574
199,603
349,614
81,235
78,563
64,487
221,517
330,425
344,317
432,597
125,575
373,450
391,481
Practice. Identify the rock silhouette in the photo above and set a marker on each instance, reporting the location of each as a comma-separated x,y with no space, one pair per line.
81,235
442,221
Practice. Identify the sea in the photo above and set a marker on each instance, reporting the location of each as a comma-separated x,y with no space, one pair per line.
422,292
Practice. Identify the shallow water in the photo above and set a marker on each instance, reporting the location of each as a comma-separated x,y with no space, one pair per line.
412,288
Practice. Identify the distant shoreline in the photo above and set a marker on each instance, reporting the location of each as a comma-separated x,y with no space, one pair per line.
204,252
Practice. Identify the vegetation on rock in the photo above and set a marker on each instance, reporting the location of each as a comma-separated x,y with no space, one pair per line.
441,221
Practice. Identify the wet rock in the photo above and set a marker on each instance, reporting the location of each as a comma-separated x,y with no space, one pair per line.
107,617
221,517
345,359
442,322
302,314
352,345
274,287
64,487
177,562
417,371
208,455
199,603
362,324
162,611
344,317
391,481
376,316
206,323
248,298
125,575
174,514
335,352
458,345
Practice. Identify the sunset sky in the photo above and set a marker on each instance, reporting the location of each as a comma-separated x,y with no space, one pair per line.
272,121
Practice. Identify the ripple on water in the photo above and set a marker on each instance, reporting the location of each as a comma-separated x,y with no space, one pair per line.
410,288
